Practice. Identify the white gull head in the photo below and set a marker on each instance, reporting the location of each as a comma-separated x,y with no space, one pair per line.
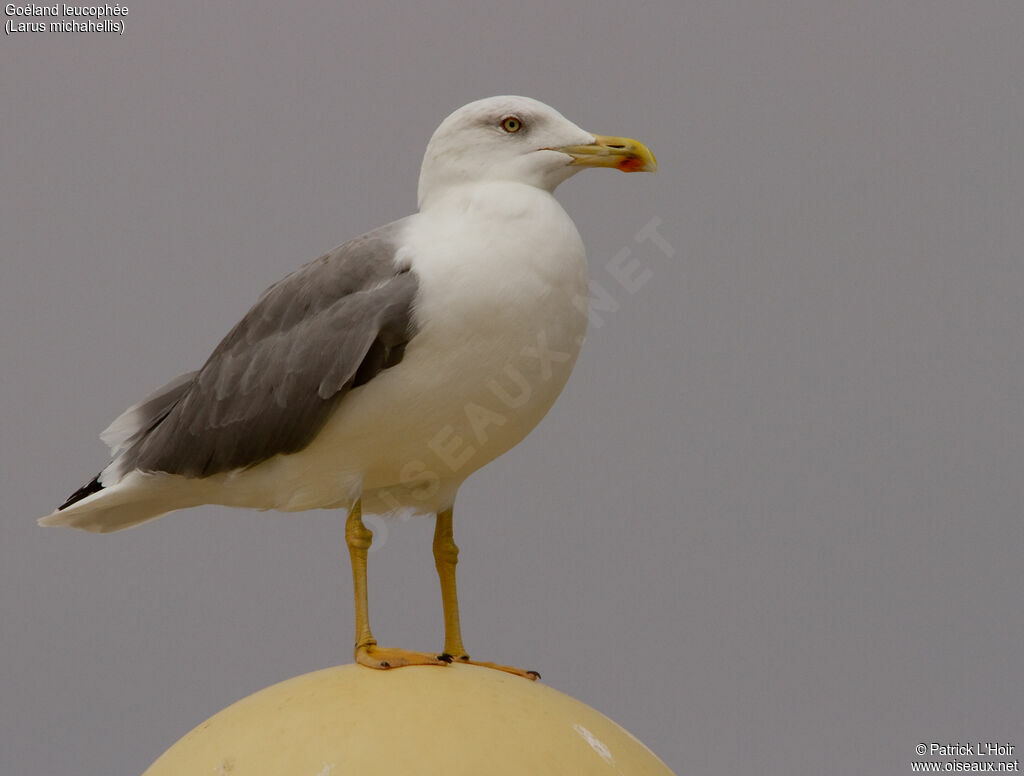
518,139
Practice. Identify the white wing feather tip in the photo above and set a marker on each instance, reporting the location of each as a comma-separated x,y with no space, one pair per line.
138,418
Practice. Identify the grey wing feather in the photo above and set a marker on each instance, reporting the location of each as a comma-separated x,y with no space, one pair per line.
271,384
135,421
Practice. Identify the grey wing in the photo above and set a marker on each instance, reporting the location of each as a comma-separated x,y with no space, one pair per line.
136,421
271,384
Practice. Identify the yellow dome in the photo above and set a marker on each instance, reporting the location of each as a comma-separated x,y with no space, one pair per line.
459,719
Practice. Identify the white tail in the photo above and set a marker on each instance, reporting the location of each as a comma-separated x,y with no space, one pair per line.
138,497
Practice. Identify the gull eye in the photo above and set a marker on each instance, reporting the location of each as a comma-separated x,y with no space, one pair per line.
511,124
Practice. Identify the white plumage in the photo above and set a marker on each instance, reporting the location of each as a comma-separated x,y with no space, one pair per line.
452,333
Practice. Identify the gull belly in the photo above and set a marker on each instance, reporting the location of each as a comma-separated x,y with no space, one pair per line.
501,318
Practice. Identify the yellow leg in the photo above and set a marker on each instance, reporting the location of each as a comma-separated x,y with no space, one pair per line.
367,653
446,556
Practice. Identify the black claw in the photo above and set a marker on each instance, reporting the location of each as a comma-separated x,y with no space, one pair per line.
445,657
464,658
385,664
534,674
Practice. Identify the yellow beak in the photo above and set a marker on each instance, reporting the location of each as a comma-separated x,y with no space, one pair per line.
622,153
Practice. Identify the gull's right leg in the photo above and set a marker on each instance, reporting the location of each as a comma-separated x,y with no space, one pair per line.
446,556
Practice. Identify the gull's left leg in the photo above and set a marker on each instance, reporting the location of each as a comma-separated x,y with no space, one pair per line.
367,653
446,556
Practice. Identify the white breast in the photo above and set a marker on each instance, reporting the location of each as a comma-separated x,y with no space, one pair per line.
501,317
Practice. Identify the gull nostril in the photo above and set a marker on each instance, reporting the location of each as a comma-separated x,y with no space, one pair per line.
610,145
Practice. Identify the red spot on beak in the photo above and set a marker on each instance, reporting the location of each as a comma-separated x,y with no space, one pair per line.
631,164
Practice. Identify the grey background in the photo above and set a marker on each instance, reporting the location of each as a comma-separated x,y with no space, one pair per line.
773,526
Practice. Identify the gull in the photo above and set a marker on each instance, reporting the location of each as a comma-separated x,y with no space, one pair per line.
378,377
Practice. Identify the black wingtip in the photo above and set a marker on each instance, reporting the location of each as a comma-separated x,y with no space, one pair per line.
82,492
